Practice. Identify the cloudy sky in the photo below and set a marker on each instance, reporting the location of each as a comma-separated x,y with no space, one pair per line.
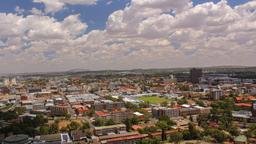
59,35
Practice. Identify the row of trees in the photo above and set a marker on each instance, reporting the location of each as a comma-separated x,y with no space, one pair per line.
103,122
27,126
54,128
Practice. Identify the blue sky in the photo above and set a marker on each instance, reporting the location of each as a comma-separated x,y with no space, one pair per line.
94,15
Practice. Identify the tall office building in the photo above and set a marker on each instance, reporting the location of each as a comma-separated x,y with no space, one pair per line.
195,75
216,94
254,108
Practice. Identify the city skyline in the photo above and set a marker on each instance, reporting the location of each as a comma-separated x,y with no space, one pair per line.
50,36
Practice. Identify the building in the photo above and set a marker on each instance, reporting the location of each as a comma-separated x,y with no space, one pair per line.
38,106
58,110
34,90
7,82
17,139
242,115
107,105
26,117
240,139
127,138
139,115
195,75
117,116
105,130
163,111
58,138
82,98
216,94
189,111
78,135
254,108
204,110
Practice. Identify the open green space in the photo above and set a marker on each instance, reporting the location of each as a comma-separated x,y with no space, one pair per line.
153,99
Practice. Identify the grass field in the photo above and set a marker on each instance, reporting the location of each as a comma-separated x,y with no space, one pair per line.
153,99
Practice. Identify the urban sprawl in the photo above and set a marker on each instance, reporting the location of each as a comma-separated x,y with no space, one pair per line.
195,106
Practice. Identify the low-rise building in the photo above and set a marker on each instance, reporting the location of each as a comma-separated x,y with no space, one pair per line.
105,130
58,110
242,139
107,105
17,139
128,138
189,111
117,116
242,115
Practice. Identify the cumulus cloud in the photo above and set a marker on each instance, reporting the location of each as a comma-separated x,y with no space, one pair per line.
145,34
52,6
19,10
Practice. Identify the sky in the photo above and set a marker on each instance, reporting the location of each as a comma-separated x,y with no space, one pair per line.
59,35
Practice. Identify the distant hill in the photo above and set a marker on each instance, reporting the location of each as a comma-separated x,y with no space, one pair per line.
211,69
77,70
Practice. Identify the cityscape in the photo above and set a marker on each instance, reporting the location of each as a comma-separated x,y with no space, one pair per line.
127,72
197,105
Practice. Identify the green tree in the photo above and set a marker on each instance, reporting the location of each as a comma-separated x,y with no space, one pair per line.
176,137
149,141
194,133
91,112
168,120
186,135
85,125
202,120
40,120
134,120
99,122
200,103
251,131
164,104
182,101
128,124
20,110
219,136
54,128
148,130
44,130
131,106
110,122
64,129
163,126
234,130
73,126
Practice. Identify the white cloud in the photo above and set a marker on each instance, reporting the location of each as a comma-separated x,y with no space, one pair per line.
73,25
145,34
19,10
36,11
52,6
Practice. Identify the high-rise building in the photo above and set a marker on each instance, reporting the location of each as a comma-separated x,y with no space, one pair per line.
195,75
216,94
164,111
13,81
6,82
254,108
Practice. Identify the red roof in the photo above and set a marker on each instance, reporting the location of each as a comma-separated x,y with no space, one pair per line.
244,104
137,127
240,98
81,109
100,113
251,98
138,136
